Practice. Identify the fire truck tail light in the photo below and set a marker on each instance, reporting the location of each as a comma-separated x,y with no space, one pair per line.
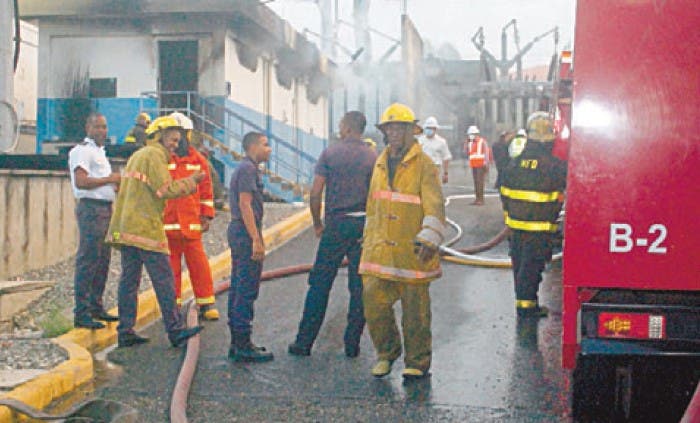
631,326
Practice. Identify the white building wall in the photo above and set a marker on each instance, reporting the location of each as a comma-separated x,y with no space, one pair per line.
25,79
313,118
131,60
212,64
281,100
246,86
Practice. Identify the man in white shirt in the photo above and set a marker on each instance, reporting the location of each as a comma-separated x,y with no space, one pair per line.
94,186
435,146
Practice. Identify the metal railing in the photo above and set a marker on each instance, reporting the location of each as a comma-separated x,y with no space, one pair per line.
229,127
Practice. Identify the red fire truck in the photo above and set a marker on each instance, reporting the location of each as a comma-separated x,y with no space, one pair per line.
631,272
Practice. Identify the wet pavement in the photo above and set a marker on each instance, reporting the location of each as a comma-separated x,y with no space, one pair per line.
486,367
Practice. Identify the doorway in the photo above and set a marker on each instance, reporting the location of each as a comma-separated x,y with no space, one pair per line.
177,64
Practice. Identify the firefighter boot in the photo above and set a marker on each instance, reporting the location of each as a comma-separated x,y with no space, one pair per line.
243,350
208,312
530,308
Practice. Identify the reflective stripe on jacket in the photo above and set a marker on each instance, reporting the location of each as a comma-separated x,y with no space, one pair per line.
399,214
184,215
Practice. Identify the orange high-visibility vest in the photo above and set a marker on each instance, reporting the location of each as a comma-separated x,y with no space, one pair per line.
477,152
184,214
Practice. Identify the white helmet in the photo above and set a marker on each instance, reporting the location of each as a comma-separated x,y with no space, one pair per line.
521,133
431,122
473,130
183,120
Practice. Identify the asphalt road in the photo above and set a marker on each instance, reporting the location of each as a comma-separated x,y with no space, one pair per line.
486,367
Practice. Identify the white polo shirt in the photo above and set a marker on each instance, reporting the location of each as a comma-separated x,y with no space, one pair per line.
436,148
92,158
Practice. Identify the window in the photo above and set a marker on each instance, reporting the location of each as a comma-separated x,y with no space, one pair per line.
103,87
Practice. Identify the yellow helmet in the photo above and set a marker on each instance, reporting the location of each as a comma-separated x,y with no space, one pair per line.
145,117
540,127
161,123
399,113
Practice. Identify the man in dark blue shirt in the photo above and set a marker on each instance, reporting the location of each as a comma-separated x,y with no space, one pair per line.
345,169
247,248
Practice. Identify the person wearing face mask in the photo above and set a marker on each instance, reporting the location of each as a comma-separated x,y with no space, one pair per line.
187,218
404,228
435,147
136,229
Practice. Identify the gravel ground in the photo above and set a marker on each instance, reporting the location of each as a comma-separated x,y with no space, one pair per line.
23,350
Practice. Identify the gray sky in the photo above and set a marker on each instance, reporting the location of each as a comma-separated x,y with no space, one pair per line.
453,21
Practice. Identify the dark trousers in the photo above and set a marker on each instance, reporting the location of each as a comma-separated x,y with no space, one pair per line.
92,260
529,252
158,268
245,279
479,176
341,237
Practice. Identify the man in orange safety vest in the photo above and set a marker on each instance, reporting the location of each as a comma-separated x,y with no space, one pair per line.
478,153
186,218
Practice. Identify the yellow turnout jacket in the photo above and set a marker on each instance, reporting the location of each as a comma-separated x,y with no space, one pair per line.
409,209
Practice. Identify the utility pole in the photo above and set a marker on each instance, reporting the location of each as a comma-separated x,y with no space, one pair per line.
6,67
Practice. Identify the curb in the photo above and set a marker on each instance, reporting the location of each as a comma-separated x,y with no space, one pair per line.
80,343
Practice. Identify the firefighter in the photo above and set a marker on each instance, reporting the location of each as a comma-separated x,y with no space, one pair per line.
476,150
404,227
532,193
186,218
136,228
137,134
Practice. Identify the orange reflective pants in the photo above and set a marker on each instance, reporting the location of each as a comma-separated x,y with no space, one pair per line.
197,264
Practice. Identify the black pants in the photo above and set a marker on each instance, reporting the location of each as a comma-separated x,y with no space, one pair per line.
341,237
245,279
529,252
92,260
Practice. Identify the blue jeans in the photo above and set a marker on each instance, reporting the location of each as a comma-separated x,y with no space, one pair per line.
162,279
92,260
245,279
341,237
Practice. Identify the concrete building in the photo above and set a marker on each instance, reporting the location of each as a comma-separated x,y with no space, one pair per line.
232,65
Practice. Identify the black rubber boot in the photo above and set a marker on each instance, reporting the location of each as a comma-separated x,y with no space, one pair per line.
243,350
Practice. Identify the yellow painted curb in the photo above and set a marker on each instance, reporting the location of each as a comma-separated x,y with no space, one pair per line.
78,369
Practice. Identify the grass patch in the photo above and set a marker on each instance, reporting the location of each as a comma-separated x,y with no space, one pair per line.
54,324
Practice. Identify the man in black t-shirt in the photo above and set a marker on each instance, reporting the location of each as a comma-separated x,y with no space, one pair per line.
247,248
344,170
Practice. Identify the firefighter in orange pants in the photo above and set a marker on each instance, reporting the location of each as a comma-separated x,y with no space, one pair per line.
186,218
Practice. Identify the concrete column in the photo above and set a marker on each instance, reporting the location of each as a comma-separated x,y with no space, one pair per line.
519,113
494,111
6,71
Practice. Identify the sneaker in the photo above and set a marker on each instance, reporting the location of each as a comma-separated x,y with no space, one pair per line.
298,350
208,312
130,339
87,324
180,336
104,316
413,373
382,368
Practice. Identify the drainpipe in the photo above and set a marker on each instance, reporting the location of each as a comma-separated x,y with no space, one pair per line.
6,73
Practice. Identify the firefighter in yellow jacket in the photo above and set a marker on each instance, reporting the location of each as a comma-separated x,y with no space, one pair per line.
404,227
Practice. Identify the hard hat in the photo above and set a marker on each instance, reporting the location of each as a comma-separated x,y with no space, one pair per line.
183,120
145,117
431,122
161,123
540,127
399,113
473,130
521,133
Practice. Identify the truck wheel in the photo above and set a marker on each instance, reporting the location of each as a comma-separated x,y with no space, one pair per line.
601,390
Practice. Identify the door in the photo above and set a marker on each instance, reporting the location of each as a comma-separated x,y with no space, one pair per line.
177,64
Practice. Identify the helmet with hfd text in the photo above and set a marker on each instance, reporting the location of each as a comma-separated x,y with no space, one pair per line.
540,127
160,124
399,113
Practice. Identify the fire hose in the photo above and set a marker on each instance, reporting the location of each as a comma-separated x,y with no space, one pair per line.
464,256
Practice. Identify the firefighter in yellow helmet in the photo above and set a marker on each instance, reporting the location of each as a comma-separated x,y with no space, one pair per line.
532,192
136,229
137,134
404,227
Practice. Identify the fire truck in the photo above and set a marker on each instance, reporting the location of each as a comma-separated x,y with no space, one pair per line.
631,270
